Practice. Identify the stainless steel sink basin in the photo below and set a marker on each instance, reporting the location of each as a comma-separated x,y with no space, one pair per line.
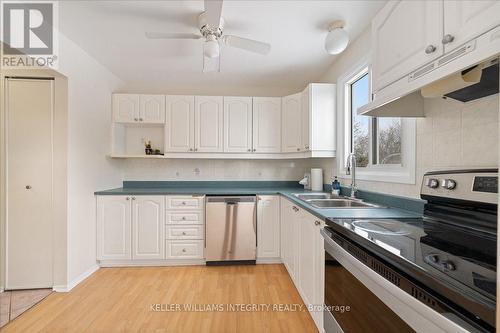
340,203
311,196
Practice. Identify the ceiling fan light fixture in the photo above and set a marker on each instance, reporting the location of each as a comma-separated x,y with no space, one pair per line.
211,47
337,39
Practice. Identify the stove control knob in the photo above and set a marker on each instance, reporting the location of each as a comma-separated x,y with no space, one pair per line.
432,183
448,266
448,184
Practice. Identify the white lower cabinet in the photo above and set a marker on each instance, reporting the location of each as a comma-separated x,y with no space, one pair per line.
303,255
185,233
148,221
268,227
141,229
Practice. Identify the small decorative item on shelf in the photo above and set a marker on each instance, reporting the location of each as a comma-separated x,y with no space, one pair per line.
157,152
148,149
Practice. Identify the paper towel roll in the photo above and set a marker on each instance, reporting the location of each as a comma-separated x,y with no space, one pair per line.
317,179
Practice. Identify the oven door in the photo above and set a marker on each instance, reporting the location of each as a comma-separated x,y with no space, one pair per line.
350,306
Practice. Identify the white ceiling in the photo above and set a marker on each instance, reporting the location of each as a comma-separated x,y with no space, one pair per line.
113,33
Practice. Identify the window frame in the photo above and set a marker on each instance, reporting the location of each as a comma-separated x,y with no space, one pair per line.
395,173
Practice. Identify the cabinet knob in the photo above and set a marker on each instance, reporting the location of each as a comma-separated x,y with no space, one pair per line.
128,198
184,203
184,233
196,149
317,222
249,150
184,218
306,147
254,149
133,198
28,187
135,119
183,250
140,119
298,149
447,39
190,149
430,49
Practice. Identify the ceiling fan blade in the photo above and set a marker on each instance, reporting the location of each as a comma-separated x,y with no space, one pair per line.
247,44
213,12
171,35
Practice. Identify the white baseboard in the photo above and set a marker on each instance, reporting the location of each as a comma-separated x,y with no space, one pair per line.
152,262
269,261
73,283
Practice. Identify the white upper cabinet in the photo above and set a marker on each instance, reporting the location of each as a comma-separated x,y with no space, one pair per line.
268,227
209,124
238,124
267,124
179,127
291,120
304,101
113,228
465,20
152,109
405,36
148,227
125,108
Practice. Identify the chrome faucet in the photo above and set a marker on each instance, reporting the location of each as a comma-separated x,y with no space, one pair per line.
351,164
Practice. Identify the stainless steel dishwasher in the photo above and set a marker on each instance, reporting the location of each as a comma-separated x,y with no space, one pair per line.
231,230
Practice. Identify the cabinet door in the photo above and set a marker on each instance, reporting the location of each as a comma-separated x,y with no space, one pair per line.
304,99
125,108
291,120
412,26
237,124
148,214
284,217
267,124
268,226
113,227
306,245
319,272
179,136
208,124
467,19
152,109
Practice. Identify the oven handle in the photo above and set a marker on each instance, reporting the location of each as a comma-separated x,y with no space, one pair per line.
329,241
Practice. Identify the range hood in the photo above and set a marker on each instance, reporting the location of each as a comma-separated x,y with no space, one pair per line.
467,73
473,83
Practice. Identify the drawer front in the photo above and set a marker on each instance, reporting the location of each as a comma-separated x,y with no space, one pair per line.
185,202
185,232
177,217
181,249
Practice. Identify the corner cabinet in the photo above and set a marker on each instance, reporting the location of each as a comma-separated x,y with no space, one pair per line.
130,227
268,228
416,27
302,252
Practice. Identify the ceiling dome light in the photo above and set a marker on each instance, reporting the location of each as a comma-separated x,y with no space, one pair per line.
211,47
337,39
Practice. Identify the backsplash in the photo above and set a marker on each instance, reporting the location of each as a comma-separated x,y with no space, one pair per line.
453,135
201,169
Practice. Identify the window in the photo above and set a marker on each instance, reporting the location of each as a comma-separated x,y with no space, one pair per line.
384,147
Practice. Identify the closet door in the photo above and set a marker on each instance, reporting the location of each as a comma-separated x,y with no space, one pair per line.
29,121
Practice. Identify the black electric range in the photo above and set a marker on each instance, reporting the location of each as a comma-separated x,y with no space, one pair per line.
447,258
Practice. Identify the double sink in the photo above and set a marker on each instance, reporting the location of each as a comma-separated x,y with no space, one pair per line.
326,200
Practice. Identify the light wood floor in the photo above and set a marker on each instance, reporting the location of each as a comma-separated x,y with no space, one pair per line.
120,300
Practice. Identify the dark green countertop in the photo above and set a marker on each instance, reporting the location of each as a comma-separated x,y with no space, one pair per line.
286,189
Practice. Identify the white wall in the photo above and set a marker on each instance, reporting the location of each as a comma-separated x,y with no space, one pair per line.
89,115
452,135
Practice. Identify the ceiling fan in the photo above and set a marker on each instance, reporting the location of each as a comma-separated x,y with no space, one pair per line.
211,25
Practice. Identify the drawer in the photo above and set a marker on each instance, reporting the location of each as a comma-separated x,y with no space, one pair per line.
184,249
184,232
185,202
179,217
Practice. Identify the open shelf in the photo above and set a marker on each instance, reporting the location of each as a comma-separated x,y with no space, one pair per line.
128,140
